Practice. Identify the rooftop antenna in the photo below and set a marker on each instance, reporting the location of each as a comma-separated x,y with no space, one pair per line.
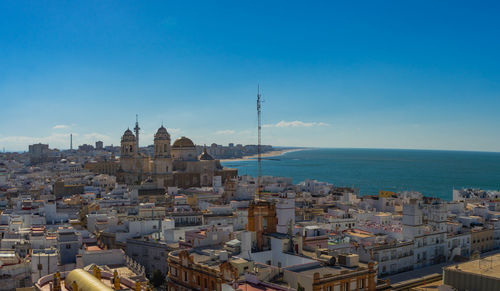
259,129
136,129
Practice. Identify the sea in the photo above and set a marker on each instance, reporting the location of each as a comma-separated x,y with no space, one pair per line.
430,172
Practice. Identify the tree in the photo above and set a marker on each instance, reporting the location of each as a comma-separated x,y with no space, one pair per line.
158,278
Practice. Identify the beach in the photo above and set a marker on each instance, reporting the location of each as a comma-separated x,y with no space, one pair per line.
275,153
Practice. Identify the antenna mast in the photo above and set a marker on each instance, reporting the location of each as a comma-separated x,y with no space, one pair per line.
137,128
259,156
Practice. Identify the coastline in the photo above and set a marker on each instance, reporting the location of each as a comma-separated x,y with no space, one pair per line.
275,153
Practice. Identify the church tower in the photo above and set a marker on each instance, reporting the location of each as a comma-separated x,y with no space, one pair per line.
128,151
412,219
162,143
162,161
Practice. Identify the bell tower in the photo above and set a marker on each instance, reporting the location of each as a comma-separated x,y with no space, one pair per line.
162,143
162,160
128,144
412,219
128,151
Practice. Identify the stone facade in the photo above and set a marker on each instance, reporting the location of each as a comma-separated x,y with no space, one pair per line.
187,273
150,254
171,165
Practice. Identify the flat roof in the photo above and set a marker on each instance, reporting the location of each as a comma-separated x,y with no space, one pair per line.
383,214
322,271
487,266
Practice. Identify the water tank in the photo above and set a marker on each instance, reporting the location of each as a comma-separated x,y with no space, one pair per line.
349,260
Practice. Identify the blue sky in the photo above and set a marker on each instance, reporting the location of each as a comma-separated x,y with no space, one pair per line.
379,74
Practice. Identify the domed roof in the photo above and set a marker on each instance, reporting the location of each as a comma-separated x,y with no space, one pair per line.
205,156
183,142
162,133
128,135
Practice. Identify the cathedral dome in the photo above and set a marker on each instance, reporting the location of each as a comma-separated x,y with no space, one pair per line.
128,136
183,142
162,133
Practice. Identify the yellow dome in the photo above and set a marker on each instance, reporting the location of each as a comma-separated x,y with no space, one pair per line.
183,142
85,281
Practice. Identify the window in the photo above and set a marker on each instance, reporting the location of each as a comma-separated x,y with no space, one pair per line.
185,276
68,246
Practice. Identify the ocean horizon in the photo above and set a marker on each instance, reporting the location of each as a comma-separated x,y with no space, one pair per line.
432,172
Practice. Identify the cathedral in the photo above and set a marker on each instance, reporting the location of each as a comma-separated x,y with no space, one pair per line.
174,164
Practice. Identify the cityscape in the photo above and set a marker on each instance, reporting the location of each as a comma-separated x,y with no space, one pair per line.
233,147
172,217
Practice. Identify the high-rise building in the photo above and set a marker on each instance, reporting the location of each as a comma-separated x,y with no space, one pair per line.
99,145
39,153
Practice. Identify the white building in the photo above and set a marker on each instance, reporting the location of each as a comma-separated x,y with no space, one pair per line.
285,211
429,240
43,262
104,220
458,244
14,271
392,257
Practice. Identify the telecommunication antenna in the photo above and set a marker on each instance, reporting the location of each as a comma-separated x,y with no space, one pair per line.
137,128
259,153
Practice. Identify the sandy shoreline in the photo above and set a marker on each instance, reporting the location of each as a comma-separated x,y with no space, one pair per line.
270,154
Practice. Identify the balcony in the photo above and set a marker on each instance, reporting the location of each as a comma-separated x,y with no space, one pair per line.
406,255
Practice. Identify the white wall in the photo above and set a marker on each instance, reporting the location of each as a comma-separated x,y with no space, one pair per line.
276,256
105,257
48,263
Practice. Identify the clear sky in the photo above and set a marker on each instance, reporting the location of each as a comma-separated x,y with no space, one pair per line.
379,74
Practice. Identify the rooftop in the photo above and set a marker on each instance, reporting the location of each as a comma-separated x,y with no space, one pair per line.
310,269
487,266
